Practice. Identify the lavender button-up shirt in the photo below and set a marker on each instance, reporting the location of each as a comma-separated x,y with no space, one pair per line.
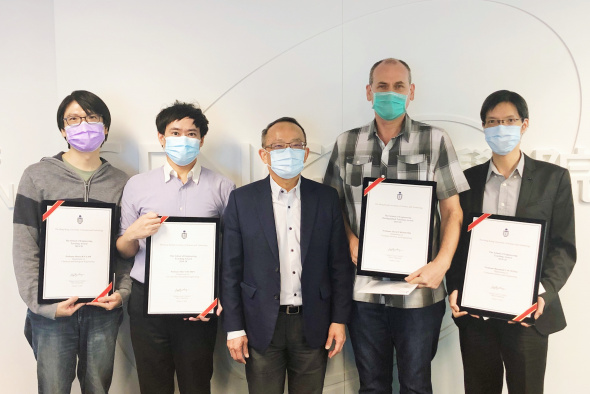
205,194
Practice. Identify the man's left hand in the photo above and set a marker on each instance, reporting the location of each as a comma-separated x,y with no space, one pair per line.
203,318
429,275
337,334
108,302
539,312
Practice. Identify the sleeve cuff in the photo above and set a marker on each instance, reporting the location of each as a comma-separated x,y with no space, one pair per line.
235,334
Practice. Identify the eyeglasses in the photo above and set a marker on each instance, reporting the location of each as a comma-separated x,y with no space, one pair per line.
285,145
496,122
76,120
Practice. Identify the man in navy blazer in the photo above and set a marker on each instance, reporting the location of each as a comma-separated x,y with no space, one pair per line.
513,184
286,274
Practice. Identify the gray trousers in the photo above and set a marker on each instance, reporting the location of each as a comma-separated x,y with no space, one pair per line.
288,353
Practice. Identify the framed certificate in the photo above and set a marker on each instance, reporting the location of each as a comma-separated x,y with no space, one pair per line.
397,221
503,267
76,250
181,267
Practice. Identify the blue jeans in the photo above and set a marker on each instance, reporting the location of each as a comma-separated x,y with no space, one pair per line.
87,338
375,330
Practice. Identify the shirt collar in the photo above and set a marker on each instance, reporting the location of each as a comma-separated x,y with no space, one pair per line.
404,132
193,174
518,170
276,189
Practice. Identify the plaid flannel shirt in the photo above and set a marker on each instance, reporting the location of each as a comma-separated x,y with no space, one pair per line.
419,152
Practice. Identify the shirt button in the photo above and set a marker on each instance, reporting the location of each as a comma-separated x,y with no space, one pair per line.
291,250
503,184
276,296
282,191
293,272
295,294
289,206
503,204
181,208
290,228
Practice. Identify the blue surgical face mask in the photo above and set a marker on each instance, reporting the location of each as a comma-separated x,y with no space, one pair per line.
389,105
502,139
287,163
182,150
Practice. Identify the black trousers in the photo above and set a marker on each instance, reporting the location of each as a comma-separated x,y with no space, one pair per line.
163,346
288,352
487,346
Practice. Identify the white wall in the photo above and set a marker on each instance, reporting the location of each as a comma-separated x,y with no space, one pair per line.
249,62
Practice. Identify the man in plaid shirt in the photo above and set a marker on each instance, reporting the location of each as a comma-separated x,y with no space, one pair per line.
397,147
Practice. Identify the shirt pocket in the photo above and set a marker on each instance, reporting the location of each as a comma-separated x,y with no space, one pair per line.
356,169
413,167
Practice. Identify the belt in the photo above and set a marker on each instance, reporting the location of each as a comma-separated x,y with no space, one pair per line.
291,309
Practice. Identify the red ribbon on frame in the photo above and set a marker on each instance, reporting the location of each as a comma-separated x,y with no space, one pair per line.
478,221
163,219
524,314
104,293
375,183
52,209
209,308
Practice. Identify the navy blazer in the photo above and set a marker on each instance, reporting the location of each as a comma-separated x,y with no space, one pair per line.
251,278
545,193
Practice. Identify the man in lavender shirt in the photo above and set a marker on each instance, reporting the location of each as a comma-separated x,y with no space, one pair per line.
181,187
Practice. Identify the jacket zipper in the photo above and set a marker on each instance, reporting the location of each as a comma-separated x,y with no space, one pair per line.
86,190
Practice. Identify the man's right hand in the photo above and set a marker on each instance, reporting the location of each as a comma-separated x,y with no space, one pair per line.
68,307
353,244
145,226
238,348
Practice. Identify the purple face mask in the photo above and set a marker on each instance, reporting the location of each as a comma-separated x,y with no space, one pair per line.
85,137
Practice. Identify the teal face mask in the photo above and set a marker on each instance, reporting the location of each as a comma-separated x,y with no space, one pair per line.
389,105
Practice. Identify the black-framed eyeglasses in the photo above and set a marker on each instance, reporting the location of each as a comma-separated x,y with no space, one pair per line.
76,120
285,145
496,122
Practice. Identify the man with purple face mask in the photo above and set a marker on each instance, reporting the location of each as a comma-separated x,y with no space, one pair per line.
67,333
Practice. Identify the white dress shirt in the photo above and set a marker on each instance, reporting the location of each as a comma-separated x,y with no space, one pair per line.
193,174
286,206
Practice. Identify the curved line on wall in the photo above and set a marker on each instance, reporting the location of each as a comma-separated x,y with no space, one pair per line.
449,118
571,55
268,62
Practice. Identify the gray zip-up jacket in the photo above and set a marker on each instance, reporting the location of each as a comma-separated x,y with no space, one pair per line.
51,179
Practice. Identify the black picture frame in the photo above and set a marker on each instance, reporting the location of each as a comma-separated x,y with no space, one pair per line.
539,266
433,201
148,265
45,205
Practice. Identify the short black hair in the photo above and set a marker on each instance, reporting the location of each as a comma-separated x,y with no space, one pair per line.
179,111
504,96
90,103
389,60
287,119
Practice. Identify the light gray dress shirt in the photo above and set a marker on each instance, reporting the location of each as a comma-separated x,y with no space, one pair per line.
500,195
